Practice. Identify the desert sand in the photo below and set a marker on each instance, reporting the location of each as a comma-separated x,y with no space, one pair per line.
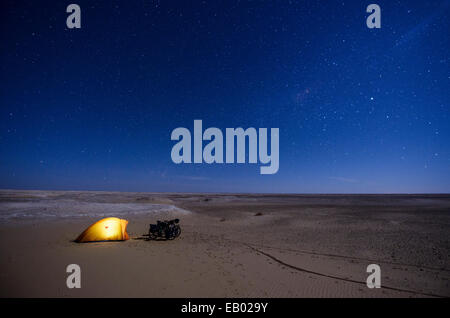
232,245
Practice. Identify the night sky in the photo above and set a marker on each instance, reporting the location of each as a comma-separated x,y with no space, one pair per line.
359,110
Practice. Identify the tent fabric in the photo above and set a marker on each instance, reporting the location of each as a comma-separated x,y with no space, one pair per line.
108,229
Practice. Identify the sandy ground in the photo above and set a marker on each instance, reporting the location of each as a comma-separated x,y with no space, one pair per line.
230,246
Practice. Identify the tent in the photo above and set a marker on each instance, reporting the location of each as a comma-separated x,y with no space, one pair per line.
108,229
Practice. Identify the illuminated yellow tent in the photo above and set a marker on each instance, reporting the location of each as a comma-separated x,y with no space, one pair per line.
108,229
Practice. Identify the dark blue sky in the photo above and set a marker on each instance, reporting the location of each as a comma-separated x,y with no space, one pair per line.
359,110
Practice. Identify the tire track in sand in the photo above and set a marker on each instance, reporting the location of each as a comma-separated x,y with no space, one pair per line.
336,277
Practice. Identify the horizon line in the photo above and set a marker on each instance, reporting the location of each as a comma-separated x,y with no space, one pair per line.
242,193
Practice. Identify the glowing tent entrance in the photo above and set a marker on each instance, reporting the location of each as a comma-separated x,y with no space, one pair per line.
108,229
